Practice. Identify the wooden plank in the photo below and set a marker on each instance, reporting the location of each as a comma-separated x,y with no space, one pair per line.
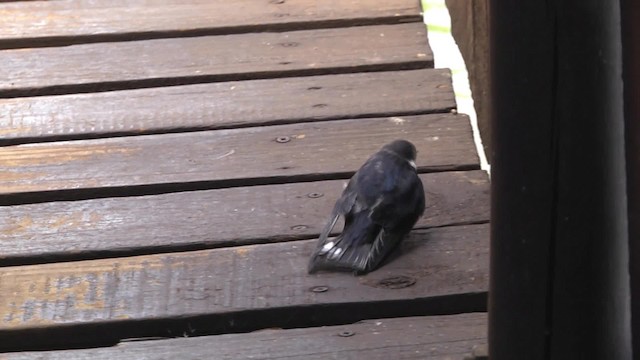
199,219
148,63
227,104
428,337
432,263
309,151
72,21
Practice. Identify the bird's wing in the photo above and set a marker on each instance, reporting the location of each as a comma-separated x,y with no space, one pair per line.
343,206
378,250
395,210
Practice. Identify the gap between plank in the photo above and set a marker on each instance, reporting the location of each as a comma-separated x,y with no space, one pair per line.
190,80
90,136
56,41
178,248
157,189
110,333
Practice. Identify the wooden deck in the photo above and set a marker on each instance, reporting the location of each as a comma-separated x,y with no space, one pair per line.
165,167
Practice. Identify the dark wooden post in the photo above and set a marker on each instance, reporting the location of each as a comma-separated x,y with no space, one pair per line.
559,259
631,60
522,177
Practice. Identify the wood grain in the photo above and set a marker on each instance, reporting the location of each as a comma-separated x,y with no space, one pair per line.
148,63
201,218
226,105
192,248
442,261
312,151
426,337
46,23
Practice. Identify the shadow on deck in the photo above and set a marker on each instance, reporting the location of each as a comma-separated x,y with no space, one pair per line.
165,175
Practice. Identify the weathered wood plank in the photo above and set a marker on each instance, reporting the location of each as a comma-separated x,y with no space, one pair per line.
133,64
73,21
260,154
202,218
427,337
227,104
442,261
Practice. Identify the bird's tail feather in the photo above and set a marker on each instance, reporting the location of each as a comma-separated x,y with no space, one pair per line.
361,259
345,250
361,247
323,240
335,259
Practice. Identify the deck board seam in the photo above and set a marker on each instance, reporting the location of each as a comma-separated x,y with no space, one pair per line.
52,258
114,331
195,129
69,40
149,83
35,197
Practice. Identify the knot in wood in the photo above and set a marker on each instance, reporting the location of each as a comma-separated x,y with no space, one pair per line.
346,333
396,282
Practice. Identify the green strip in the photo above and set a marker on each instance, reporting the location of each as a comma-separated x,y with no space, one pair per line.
438,28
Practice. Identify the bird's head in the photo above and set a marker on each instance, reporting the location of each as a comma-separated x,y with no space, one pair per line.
402,148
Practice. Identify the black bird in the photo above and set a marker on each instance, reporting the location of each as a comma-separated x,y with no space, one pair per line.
380,205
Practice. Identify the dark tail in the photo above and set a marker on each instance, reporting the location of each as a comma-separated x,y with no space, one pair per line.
352,250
